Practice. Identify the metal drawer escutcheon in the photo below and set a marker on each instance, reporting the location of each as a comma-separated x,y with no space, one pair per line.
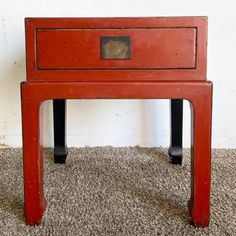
115,47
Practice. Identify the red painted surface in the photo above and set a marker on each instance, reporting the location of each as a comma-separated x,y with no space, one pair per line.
150,48
42,86
175,46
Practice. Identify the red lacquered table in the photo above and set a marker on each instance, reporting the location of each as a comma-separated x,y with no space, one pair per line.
117,58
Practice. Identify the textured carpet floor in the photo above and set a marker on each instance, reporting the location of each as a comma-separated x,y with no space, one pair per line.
117,191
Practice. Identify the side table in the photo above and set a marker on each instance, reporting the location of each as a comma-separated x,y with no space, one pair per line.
116,58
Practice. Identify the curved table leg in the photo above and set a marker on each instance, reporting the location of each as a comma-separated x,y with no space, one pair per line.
199,203
35,203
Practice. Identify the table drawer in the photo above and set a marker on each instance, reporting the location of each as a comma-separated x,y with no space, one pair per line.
116,49
78,49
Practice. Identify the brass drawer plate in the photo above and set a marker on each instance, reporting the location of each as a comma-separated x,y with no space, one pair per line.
115,47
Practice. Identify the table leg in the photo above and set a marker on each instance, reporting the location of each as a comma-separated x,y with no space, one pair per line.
59,120
175,149
35,202
199,203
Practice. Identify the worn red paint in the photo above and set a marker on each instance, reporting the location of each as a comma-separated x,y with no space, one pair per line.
79,49
54,44
179,73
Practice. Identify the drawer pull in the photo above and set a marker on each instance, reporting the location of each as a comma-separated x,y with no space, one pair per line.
115,47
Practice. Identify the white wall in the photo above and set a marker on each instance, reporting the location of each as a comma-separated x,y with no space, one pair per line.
121,122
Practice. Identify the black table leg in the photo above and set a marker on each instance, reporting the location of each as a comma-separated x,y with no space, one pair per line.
175,149
59,120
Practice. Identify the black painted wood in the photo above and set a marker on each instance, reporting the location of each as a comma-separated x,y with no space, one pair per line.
175,149
59,120
60,147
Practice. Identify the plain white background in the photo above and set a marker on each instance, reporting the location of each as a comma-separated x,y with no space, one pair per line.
120,122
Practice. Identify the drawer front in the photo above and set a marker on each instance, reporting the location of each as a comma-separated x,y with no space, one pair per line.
102,49
116,49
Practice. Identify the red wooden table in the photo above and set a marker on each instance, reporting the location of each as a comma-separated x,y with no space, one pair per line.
117,58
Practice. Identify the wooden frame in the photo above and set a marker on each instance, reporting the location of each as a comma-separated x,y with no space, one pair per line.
189,84
196,73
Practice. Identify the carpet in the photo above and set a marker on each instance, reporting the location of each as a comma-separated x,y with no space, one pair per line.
117,191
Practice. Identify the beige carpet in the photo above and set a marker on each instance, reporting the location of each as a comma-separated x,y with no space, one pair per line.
117,191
